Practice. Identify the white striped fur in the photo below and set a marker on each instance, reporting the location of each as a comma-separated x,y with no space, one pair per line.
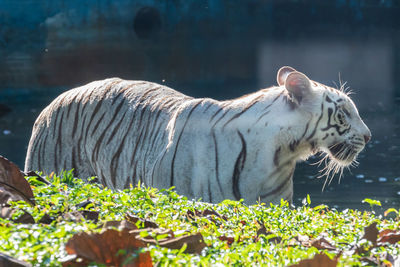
129,131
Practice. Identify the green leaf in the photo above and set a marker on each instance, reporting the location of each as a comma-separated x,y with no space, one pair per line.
43,244
182,249
372,202
160,237
144,233
388,211
320,207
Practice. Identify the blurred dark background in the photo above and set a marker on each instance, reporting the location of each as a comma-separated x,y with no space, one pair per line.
214,48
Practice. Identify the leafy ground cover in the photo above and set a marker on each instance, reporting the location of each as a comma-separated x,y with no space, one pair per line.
74,223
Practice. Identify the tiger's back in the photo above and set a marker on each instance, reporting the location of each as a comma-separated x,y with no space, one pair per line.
104,123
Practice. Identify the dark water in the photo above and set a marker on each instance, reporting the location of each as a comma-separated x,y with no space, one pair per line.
376,177
16,124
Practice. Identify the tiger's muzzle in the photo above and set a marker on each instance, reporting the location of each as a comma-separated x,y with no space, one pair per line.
344,153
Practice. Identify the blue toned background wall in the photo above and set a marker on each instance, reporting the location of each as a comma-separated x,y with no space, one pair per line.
195,45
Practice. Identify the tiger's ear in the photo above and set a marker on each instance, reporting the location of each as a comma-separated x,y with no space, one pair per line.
298,85
283,73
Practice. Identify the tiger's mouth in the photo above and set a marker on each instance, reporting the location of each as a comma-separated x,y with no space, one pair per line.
343,153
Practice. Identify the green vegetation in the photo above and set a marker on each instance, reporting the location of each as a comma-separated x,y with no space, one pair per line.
235,234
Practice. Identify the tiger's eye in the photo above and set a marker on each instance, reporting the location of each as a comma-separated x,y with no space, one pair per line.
346,112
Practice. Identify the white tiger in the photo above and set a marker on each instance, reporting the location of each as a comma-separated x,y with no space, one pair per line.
129,131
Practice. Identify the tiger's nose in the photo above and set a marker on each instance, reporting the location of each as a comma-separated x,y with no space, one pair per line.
367,138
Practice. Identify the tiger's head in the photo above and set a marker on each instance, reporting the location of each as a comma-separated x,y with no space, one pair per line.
335,126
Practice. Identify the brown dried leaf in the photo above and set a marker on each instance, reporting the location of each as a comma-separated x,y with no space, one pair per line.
371,233
25,218
229,240
8,261
195,243
83,204
143,260
191,215
46,219
319,260
146,223
90,215
104,248
389,236
207,213
74,261
7,212
276,240
5,196
12,181
386,231
322,243
263,231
